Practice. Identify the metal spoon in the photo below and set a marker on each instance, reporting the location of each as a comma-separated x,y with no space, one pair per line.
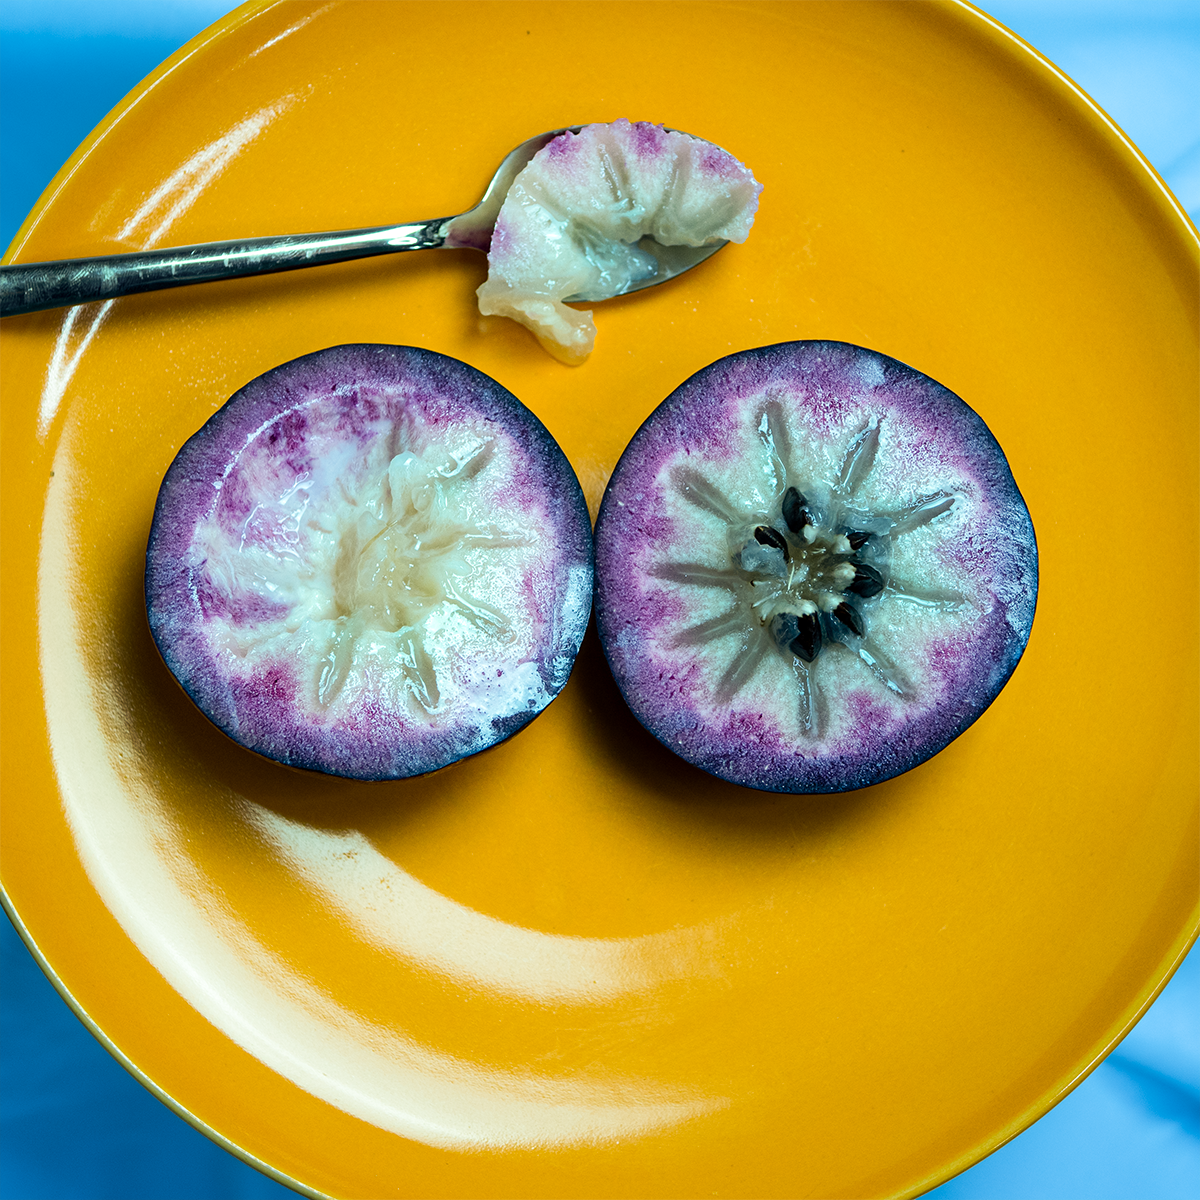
31,287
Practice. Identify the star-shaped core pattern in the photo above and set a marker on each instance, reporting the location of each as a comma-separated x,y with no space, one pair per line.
805,579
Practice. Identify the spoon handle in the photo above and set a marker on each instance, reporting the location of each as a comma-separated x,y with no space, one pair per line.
31,287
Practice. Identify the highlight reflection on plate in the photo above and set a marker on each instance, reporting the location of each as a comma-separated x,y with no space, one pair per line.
575,965
137,857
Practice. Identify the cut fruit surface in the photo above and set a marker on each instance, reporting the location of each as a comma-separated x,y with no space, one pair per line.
573,218
814,568
372,561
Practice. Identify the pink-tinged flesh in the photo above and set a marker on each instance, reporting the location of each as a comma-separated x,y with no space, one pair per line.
693,655
572,219
371,562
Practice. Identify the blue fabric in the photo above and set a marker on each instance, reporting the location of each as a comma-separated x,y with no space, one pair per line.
77,80
75,1126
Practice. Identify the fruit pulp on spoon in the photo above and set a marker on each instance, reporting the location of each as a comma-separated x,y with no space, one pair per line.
573,219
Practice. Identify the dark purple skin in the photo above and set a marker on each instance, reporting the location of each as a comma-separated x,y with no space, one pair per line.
266,710
821,386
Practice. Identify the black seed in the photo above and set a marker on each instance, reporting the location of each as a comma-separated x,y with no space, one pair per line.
857,539
867,581
851,618
806,644
795,510
764,535
785,628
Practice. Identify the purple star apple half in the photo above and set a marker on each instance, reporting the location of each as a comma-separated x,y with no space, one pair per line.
814,568
371,562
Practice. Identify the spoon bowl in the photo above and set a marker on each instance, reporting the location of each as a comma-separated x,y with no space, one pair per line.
33,287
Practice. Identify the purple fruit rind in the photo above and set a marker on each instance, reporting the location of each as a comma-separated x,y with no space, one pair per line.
646,140
363,383
827,384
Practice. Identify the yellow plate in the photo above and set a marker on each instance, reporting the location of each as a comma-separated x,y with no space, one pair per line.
575,965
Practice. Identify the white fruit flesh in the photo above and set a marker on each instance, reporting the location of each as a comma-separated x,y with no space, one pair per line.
382,566
571,222
722,629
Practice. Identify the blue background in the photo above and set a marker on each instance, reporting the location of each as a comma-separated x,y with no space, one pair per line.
75,1126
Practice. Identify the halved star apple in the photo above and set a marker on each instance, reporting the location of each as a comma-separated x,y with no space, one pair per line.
371,562
814,568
